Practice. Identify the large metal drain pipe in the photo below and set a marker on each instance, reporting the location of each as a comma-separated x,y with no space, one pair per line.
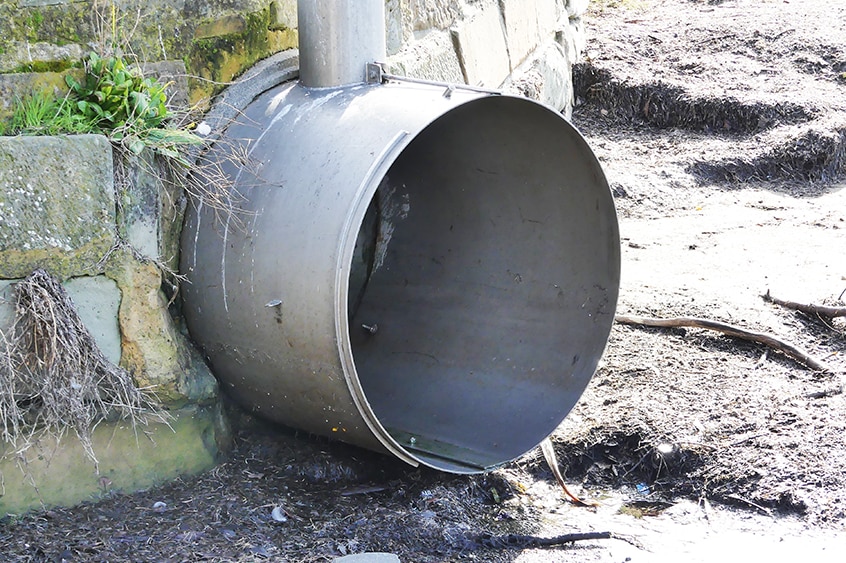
428,275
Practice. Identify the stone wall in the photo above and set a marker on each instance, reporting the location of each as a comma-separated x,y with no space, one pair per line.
525,46
61,210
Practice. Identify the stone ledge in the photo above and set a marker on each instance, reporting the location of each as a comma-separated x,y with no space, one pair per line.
59,473
57,201
480,44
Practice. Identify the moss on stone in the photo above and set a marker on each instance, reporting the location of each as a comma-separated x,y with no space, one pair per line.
220,58
62,264
46,66
58,472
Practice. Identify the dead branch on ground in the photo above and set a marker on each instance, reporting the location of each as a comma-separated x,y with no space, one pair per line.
809,308
520,541
552,460
761,338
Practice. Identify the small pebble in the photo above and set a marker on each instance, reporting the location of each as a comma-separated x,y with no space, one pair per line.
278,514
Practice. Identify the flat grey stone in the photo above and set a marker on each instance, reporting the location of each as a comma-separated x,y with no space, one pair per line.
368,558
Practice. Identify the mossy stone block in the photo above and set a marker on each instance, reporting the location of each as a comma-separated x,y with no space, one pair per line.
57,203
56,472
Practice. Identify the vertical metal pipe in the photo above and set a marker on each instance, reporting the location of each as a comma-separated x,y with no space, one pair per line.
337,40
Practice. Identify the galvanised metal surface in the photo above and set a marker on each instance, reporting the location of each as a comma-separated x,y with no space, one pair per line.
429,276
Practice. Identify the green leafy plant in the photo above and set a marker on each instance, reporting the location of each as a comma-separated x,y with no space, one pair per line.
112,98
118,100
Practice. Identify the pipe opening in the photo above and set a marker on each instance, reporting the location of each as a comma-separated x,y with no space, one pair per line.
483,284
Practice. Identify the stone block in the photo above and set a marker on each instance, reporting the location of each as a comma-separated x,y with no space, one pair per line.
576,8
174,75
20,53
430,58
432,14
479,41
221,27
394,28
140,197
549,15
157,355
59,473
97,300
572,39
556,73
577,29
521,29
17,85
57,203
283,15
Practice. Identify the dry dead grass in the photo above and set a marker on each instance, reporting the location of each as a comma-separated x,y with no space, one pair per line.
53,376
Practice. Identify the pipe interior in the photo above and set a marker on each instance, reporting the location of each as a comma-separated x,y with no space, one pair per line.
488,260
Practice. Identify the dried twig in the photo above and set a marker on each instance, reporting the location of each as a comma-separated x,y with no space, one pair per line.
520,541
53,376
552,461
810,308
766,339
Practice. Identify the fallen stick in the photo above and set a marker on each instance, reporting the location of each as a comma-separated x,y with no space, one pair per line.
810,308
520,541
694,322
552,460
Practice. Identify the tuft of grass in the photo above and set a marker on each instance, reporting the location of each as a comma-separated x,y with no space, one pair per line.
42,113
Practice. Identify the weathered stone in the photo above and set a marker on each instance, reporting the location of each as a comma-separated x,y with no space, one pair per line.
219,59
174,76
433,14
521,29
140,195
226,25
57,204
577,29
548,79
59,473
7,305
39,56
154,352
283,15
431,58
576,8
549,14
18,85
572,39
96,300
480,44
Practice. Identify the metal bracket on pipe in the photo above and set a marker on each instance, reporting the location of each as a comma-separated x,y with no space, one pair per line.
376,74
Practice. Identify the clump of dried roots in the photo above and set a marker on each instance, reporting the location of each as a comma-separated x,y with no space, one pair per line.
54,377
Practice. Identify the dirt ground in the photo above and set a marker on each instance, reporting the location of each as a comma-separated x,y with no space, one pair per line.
722,130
